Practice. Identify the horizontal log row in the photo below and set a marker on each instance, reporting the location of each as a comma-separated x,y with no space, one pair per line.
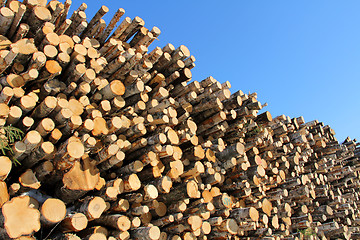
121,143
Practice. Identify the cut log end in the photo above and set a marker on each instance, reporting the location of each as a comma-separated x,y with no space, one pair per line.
20,218
53,210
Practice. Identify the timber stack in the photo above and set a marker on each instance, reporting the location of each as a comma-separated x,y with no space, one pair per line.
121,143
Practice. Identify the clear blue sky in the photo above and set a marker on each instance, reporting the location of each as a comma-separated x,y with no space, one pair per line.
301,57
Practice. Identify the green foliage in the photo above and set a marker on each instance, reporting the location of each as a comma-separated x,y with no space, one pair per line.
9,135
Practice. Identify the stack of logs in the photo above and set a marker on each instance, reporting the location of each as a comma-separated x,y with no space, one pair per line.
121,143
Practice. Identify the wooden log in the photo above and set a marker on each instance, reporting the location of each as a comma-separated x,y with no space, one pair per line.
6,165
7,57
121,205
45,150
52,211
74,222
43,170
12,80
132,28
155,31
117,221
113,89
56,8
231,151
6,18
131,183
38,16
126,68
189,189
245,213
146,233
93,207
99,14
119,13
44,108
20,218
4,194
21,8
68,152
78,23
51,69
50,51
60,20
121,28
31,140
15,113
63,27
28,181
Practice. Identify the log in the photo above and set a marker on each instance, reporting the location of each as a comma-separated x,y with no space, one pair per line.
38,16
68,152
6,18
17,19
80,179
146,233
245,213
189,189
135,24
74,222
102,11
43,151
6,165
19,218
119,13
52,211
92,207
116,221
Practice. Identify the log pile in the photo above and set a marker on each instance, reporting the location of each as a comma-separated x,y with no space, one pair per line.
121,143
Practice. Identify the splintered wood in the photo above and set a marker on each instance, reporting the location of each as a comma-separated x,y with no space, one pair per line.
121,143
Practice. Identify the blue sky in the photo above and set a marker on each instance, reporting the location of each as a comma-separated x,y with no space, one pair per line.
301,57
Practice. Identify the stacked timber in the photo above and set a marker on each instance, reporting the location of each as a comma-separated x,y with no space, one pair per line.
121,143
